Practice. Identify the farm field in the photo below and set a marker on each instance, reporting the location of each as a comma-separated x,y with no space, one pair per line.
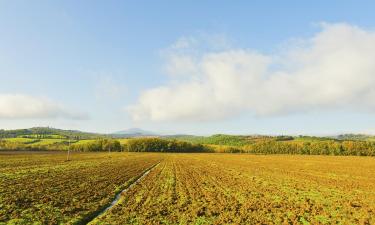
43,188
251,189
46,189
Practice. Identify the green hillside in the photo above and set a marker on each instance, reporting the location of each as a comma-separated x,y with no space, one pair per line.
47,132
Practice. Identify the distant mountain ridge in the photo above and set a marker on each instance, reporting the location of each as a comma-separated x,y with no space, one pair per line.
134,132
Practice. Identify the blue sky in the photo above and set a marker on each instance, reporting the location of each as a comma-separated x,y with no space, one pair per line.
172,67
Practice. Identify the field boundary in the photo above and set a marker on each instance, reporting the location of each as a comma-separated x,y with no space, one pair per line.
129,184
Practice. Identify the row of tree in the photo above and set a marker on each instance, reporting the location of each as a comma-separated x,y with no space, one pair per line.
45,131
329,147
162,145
99,145
217,139
359,148
112,145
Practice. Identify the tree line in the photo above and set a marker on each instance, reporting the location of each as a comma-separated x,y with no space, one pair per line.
326,147
99,145
45,131
138,145
355,148
112,145
162,145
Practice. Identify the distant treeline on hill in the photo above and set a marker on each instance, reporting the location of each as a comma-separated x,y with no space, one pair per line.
285,145
241,140
358,148
98,145
257,144
161,145
46,132
139,145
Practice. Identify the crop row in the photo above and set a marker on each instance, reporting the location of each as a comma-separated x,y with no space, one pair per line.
248,189
45,189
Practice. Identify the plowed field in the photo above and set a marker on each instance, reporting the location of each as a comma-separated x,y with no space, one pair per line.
186,189
249,189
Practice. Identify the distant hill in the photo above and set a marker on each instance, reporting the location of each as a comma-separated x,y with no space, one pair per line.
133,132
48,131
356,137
242,140
217,139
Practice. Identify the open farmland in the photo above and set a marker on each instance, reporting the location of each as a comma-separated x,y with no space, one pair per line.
248,189
44,188
186,188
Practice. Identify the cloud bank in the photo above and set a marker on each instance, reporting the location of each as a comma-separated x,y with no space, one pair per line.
332,70
18,106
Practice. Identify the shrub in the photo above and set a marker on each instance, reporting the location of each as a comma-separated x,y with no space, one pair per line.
162,145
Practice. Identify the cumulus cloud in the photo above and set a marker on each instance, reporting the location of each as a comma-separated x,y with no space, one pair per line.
334,69
19,106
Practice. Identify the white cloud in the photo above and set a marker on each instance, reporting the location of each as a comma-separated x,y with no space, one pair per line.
332,70
19,106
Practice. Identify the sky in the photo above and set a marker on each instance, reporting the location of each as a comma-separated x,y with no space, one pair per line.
189,67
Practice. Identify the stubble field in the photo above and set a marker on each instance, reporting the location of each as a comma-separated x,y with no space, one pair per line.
187,189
